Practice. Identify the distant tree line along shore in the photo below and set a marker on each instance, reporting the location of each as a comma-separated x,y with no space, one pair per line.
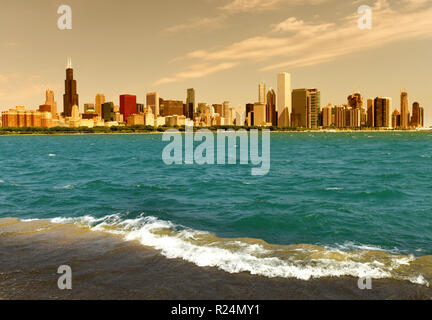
151,129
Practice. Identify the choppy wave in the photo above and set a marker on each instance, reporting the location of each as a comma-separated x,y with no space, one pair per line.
301,261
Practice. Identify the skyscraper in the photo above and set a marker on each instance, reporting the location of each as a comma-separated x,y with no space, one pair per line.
395,119
371,113
340,116
421,117
271,114
190,103
259,114
140,108
415,118
355,117
153,101
70,98
262,93
99,101
315,109
108,111
382,115
327,119
173,108
355,101
227,113
305,108
249,114
51,102
301,106
404,110
128,105
218,108
240,116
284,106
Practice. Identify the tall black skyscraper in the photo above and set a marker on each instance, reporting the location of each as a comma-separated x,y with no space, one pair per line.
190,103
70,98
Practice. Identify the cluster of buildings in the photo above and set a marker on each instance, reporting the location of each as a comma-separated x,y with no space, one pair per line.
43,117
377,114
300,108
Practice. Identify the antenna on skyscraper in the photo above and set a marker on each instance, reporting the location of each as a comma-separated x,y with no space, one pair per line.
69,65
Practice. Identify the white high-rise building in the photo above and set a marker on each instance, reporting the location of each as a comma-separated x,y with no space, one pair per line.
240,115
284,102
262,93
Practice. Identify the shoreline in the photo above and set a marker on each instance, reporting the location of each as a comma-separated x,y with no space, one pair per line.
105,266
214,131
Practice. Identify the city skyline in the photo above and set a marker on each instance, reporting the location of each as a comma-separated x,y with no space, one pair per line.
372,71
296,108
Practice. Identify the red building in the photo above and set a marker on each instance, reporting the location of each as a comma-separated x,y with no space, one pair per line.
128,105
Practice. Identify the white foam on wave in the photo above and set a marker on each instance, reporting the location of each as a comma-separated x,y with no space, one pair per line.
241,256
85,220
350,246
66,187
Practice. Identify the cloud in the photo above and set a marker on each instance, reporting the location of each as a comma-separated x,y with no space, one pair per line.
293,25
250,5
235,6
238,6
296,43
197,71
414,4
345,38
198,23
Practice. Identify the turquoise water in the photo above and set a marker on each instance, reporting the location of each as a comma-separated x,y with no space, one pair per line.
336,190
340,191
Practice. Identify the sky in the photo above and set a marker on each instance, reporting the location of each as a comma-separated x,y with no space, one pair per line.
222,48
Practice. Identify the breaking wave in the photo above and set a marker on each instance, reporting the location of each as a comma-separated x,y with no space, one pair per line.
301,261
